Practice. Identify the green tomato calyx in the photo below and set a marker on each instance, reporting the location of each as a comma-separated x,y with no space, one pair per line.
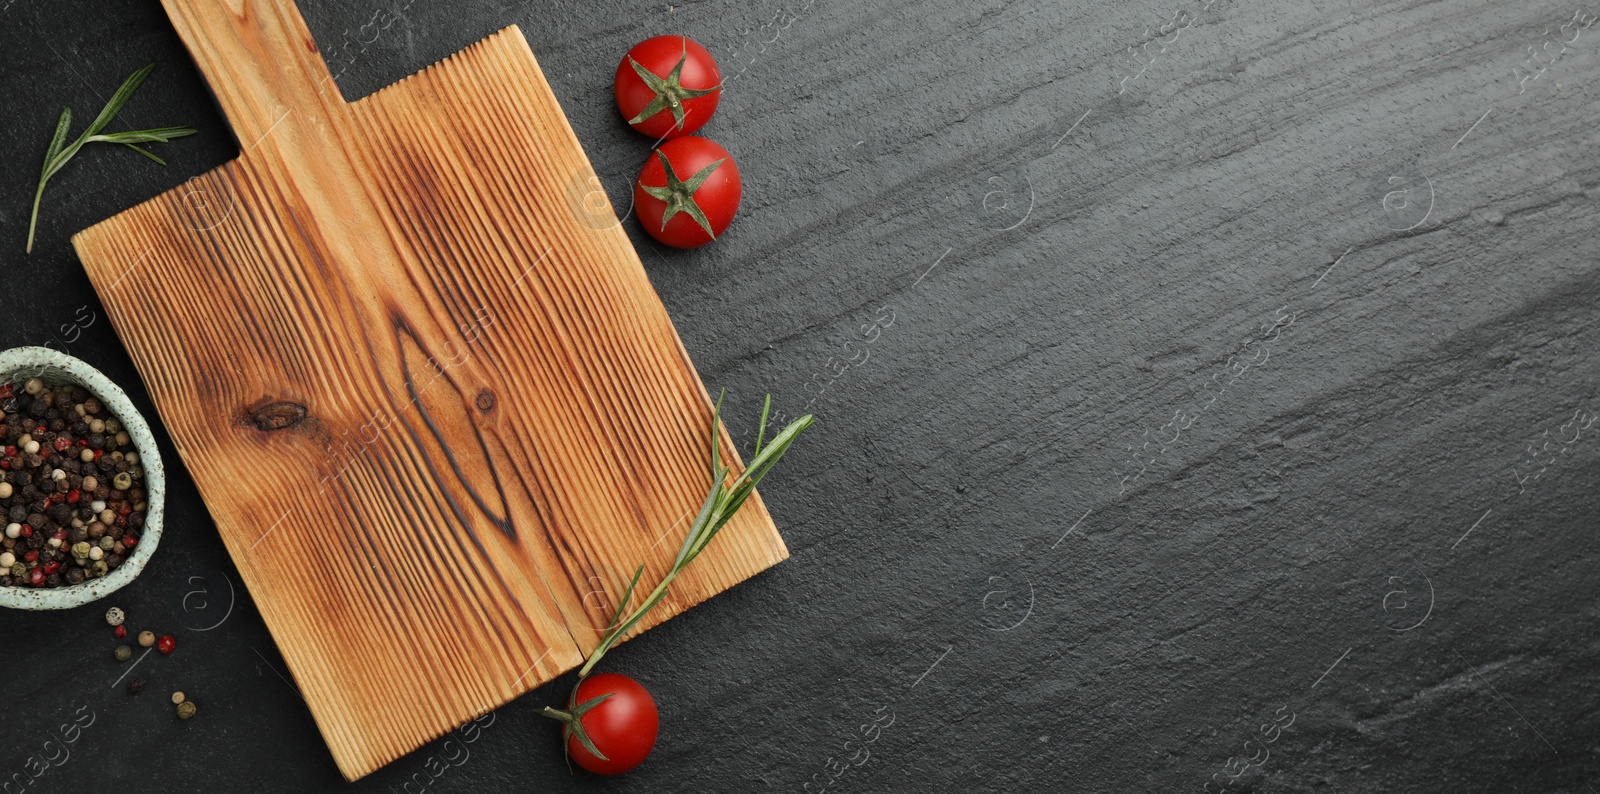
669,90
679,195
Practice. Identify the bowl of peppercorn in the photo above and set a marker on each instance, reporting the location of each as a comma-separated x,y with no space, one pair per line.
81,483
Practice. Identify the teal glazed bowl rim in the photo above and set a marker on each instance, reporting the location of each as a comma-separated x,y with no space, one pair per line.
59,369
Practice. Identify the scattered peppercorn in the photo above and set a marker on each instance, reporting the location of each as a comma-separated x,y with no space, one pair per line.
120,631
147,638
186,709
135,686
166,644
114,616
123,653
177,697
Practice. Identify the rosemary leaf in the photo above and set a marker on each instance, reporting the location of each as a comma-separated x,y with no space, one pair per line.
766,408
56,142
622,605
124,93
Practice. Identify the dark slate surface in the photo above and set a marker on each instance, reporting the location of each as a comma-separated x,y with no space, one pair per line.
1203,388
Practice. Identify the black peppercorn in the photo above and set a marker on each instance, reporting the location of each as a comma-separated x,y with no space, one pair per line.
18,514
37,520
135,686
74,576
76,534
97,441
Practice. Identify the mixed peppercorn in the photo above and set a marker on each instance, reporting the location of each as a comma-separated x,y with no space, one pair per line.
72,495
122,653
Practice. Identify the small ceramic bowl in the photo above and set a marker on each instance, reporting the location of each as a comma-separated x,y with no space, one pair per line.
59,369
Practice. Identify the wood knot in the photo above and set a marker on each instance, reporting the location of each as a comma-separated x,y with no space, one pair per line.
278,416
485,400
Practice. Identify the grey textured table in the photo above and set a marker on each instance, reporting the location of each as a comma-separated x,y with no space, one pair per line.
1205,391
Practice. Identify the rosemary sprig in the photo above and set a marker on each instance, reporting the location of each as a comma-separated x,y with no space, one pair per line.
722,502
60,152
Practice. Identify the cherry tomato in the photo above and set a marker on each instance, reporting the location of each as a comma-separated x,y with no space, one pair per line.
668,86
623,727
688,192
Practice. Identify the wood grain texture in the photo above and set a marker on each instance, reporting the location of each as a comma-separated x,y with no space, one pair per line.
419,375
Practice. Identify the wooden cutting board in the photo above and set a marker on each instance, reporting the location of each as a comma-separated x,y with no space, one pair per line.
417,370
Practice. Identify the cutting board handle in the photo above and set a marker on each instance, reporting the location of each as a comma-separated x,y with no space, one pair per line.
259,59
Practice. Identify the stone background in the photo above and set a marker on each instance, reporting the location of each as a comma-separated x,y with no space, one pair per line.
1204,399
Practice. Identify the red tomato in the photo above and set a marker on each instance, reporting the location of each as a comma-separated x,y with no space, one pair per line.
623,727
668,86
688,192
